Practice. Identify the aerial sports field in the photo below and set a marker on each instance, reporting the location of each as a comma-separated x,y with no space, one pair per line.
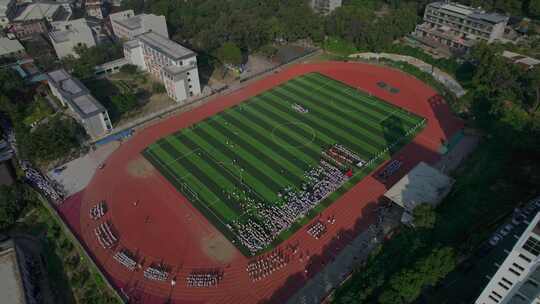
249,166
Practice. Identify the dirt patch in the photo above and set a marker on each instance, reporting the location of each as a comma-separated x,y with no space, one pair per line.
218,248
140,167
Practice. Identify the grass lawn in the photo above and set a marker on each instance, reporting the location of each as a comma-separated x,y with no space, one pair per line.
231,164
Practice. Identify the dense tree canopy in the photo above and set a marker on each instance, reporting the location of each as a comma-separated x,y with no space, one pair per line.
13,200
424,216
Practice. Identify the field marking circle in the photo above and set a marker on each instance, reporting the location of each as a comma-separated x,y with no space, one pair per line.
283,142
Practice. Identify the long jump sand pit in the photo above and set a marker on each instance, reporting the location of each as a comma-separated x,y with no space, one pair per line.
140,168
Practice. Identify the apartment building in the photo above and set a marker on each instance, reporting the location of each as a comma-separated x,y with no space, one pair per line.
33,18
517,281
67,35
169,62
126,25
84,107
325,6
458,27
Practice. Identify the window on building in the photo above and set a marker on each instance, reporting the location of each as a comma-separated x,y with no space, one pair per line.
532,246
507,281
513,271
503,286
496,294
494,300
518,266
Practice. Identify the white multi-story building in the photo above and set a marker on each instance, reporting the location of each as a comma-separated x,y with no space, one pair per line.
458,26
67,35
127,26
167,61
325,6
517,281
84,107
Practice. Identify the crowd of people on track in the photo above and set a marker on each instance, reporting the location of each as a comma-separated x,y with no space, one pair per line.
204,278
125,258
156,274
263,266
105,236
98,211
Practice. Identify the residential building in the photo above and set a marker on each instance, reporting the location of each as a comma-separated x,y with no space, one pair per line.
16,276
517,281
458,27
67,35
7,9
525,62
33,18
127,26
11,48
167,61
84,107
325,6
94,8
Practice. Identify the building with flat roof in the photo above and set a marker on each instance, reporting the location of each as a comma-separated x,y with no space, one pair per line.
67,35
458,27
16,284
517,281
11,48
423,184
325,6
85,108
167,61
525,62
127,26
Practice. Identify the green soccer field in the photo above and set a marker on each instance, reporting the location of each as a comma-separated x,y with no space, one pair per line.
236,165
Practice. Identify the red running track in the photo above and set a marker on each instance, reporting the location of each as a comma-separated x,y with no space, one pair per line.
164,227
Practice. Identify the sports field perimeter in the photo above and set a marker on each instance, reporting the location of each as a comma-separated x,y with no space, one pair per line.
247,168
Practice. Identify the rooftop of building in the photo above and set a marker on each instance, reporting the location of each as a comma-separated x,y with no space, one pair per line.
11,289
76,29
165,45
8,46
134,22
475,13
39,10
76,93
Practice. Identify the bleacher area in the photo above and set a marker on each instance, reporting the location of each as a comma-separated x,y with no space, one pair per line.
257,168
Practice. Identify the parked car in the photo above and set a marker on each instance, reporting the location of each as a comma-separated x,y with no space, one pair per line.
507,229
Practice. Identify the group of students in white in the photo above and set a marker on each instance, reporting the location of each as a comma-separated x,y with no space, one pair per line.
204,278
317,230
263,266
156,273
298,108
273,218
126,259
98,211
105,236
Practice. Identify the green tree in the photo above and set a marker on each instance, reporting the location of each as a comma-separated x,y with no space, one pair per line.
11,82
13,201
424,216
124,103
229,53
